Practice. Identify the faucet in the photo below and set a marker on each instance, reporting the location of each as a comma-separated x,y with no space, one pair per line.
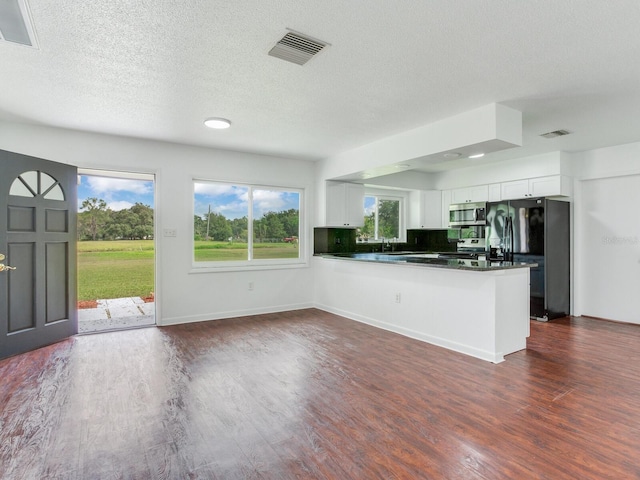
383,246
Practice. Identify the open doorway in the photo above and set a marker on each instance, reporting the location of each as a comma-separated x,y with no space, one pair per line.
116,250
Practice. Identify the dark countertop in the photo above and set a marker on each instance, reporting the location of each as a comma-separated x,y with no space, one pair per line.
428,260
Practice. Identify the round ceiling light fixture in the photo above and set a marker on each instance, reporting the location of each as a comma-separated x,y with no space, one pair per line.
477,155
452,155
218,123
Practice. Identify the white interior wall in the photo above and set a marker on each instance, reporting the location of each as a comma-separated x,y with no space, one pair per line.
184,296
607,233
619,160
610,248
606,192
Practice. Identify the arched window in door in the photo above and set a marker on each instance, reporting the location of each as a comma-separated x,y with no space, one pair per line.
35,183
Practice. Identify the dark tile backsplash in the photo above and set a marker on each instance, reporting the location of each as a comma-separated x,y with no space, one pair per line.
343,240
334,240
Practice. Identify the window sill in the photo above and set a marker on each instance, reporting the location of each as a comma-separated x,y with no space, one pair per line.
242,267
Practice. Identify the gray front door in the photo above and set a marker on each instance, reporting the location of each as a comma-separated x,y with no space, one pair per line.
38,240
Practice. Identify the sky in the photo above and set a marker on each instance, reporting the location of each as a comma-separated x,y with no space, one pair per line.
119,193
228,200
369,205
232,201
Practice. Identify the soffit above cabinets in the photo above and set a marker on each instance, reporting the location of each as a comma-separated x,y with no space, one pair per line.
485,130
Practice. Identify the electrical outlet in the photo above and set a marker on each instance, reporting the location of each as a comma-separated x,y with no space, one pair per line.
250,286
397,297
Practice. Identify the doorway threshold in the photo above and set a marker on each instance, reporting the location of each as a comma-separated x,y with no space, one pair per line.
116,314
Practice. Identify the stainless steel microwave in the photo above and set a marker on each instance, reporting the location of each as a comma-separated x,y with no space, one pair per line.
467,214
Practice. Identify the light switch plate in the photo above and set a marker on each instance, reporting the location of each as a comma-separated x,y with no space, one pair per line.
170,232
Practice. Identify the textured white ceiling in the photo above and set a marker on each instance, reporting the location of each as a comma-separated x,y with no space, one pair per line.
157,68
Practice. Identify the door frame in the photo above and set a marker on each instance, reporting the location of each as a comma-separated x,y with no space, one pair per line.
113,172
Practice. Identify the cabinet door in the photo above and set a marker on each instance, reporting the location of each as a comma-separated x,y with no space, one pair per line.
460,195
354,205
345,205
545,186
446,201
515,189
495,192
478,193
537,187
335,202
431,209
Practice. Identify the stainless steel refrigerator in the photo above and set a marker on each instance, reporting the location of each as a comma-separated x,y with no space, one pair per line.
535,230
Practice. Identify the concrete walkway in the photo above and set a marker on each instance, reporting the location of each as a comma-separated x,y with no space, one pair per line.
116,313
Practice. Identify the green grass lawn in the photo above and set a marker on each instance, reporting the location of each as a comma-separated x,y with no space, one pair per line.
225,251
125,268
115,269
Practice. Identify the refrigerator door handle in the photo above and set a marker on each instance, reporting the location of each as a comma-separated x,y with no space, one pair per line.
509,244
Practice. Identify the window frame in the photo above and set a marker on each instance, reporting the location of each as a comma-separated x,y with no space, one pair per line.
393,195
251,263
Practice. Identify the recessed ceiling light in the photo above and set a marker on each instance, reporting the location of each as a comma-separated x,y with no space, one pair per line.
452,155
477,155
402,165
218,123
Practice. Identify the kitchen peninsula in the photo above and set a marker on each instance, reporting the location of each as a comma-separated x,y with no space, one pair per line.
477,307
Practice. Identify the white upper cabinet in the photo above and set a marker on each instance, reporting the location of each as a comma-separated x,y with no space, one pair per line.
554,185
345,204
495,192
430,210
478,193
515,189
446,201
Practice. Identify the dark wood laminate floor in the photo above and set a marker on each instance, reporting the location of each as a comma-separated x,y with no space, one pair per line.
311,395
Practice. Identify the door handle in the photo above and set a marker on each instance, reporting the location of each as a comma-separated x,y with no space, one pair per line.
4,267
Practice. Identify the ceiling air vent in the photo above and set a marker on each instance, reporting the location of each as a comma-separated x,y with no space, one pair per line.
296,48
15,23
555,133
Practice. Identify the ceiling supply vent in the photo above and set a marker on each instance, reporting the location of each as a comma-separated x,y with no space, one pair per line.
555,133
297,48
15,23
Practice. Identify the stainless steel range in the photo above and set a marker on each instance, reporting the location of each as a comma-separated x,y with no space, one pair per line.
472,245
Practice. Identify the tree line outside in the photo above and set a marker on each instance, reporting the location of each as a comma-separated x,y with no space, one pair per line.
114,269
272,227
217,238
97,221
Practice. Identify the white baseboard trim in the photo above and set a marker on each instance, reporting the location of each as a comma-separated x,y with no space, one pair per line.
437,341
232,314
